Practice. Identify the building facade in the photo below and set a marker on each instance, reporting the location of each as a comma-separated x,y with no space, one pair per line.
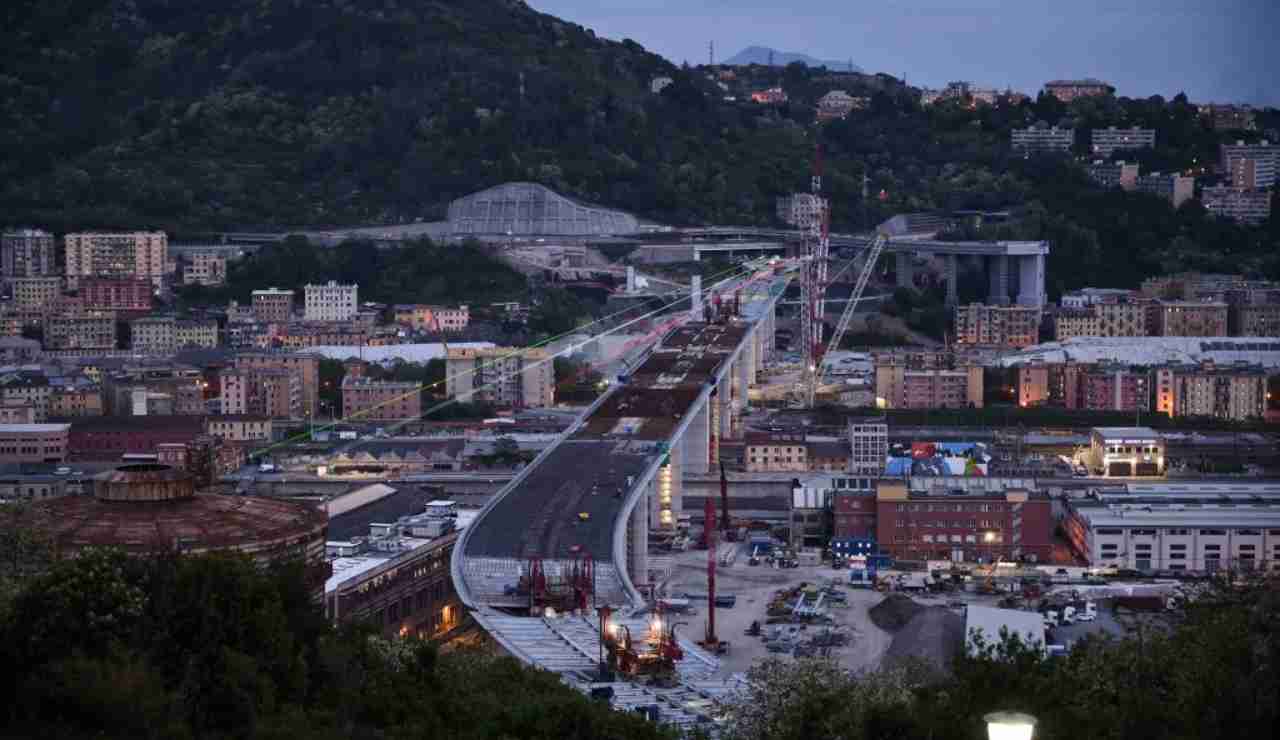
900,386
271,392
243,428
1123,175
979,324
1123,452
1180,531
1177,189
1069,90
371,400
519,378
36,293
1107,140
1043,139
330,302
1229,117
306,366
1187,319
205,268
115,294
27,253
868,445
153,335
1115,388
1264,155
272,305
1238,392
433,318
137,254
75,402
33,443
1238,204
89,330
1014,525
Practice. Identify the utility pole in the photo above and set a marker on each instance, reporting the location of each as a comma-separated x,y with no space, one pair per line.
711,53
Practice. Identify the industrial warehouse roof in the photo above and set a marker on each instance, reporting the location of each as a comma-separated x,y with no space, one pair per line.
1263,351
989,622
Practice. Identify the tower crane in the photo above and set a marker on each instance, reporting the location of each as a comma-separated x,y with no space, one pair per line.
842,326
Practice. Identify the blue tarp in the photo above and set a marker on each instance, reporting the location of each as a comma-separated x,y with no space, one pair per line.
898,466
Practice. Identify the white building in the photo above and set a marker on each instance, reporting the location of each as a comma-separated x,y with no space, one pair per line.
1126,451
330,302
869,445
1043,139
1108,140
1199,532
1237,204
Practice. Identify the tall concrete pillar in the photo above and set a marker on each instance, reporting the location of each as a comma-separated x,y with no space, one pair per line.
726,398
695,299
639,565
905,269
743,399
998,280
697,442
951,268
1031,280
668,499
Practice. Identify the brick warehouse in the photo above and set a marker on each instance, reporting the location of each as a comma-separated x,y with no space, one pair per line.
1013,524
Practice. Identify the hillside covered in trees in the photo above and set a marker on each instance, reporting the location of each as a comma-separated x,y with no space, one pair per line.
246,114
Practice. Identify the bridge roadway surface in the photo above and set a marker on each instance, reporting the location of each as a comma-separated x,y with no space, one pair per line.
612,451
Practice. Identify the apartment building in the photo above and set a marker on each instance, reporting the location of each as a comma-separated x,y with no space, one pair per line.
1229,117
775,453
36,294
66,402
115,294
1086,297
1264,155
272,305
979,324
306,366
1122,319
33,443
1207,532
518,378
1187,319
433,318
202,333
1115,388
1238,204
205,268
89,330
17,413
1255,320
153,335
243,428
330,302
1107,140
1177,189
1121,174
925,525
1043,139
1236,392
27,253
900,388
868,445
1069,90
371,400
272,392
137,255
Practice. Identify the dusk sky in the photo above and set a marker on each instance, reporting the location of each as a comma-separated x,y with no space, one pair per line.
1223,51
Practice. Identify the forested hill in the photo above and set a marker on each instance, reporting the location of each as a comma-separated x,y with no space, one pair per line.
239,113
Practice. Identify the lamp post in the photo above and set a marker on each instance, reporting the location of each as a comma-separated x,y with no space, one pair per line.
1009,726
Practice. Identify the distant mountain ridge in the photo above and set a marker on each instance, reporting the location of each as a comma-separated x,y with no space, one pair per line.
760,55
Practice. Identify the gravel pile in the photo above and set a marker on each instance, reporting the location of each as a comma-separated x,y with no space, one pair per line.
934,635
894,612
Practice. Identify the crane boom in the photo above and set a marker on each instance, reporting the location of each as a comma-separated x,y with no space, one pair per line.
842,326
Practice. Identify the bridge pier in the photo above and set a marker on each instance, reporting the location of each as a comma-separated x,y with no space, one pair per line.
905,269
638,542
667,503
1031,280
998,280
950,269
697,442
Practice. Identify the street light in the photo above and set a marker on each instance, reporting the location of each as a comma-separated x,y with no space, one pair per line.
1009,726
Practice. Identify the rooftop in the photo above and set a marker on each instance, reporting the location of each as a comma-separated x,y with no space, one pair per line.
1126,432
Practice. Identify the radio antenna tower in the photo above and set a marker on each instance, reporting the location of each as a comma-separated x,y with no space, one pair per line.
711,53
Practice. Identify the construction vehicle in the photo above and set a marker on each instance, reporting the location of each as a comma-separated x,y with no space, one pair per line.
621,655
571,590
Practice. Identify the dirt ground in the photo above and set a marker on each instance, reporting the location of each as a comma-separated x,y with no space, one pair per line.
754,587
